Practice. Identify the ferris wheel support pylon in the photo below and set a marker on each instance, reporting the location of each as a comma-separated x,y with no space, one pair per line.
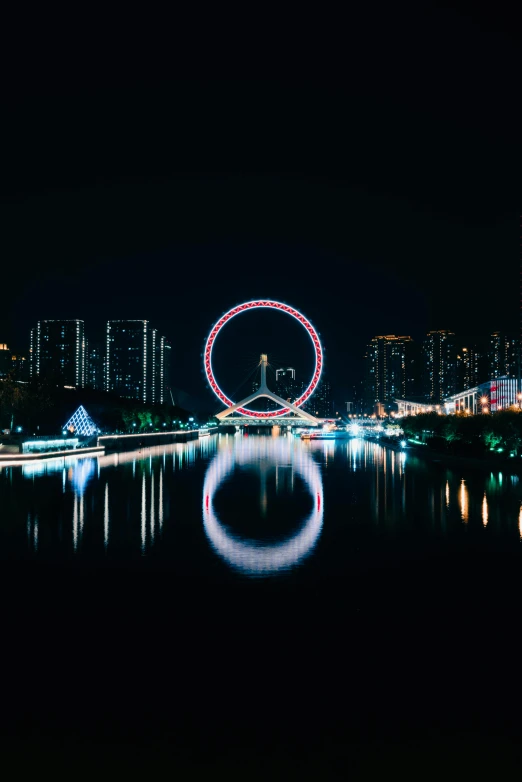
264,391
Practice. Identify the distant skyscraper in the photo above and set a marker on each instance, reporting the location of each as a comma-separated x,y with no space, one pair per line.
321,402
496,355
135,360
96,367
166,373
469,367
32,352
57,351
390,370
5,360
126,358
440,356
512,356
286,385
20,367
502,355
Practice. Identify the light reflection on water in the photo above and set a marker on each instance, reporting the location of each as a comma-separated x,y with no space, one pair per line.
161,502
250,556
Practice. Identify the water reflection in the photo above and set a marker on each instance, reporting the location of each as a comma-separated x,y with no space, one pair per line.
32,531
464,501
147,504
485,510
80,474
253,557
106,517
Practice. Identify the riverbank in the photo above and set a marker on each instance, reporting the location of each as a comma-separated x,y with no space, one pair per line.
510,465
9,458
131,442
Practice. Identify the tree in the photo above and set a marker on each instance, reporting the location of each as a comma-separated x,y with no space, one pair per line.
129,418
13,397
145,419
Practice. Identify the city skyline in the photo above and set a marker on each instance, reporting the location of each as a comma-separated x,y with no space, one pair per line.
393,367
286,544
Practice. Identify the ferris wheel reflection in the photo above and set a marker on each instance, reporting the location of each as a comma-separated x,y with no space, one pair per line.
252,557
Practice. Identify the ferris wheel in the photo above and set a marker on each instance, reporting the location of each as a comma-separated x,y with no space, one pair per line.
263,390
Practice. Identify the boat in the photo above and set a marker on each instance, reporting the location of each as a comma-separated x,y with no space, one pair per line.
318,436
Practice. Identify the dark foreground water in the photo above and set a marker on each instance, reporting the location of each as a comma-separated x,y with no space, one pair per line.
260,600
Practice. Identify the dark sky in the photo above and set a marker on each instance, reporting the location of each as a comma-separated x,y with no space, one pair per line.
366,170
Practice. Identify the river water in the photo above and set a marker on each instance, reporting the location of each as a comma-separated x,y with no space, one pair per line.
261,591
247,507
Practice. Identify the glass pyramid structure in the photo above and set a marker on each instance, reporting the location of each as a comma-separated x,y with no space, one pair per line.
81,423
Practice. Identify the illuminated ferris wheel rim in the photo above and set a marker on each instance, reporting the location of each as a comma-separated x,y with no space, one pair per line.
263,304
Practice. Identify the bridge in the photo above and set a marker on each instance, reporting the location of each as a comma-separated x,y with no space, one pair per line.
295,416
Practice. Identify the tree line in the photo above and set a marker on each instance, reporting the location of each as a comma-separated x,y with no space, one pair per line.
476,435
40,406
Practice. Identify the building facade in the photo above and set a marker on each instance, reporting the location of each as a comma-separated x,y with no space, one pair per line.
166,382
470,367
20,367
496,394
321,402
58,351
96,367
5,360
390,371
126,359
135,361
286,385
440,366
503,355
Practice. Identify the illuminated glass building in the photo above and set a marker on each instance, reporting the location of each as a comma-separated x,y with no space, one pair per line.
58,351
390,371
440,356
135,361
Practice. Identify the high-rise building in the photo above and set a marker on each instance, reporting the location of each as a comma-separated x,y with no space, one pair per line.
135,360
286,385
512,357
20,367
96,366
502,355
126,358
57,351
5,360
470,369
440,354
166,373
496,355
321,401
390,370
32,352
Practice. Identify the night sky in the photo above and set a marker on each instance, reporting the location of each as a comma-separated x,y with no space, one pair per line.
366,173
